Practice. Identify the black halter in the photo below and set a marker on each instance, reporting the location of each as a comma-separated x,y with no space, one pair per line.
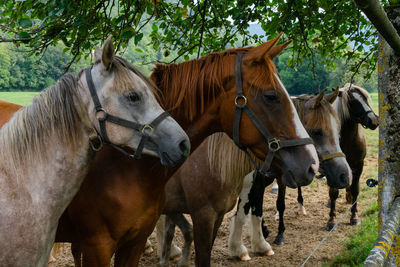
274,144
146,130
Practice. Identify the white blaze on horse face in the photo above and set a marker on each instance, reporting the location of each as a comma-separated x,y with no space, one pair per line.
335,132
300,131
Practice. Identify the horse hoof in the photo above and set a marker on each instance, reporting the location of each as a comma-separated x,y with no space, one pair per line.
274,191
148,250
51,259
269,252
176,258
279,241
245,257
354,222
302,212
329,227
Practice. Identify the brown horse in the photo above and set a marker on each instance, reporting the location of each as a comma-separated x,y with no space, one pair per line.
7,110
354,110
119,211
209,183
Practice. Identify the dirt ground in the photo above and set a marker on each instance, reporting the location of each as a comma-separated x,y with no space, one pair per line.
302,235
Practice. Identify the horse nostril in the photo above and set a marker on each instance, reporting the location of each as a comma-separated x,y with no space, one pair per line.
184,146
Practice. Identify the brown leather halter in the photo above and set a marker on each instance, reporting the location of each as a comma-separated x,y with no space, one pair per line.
146,130
274,144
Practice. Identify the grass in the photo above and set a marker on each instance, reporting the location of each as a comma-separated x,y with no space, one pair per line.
359,244
20,98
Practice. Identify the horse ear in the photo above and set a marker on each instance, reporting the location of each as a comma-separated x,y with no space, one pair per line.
319,98
276,50
108,53
258,53
332,96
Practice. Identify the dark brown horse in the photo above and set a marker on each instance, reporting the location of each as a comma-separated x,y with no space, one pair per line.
119,211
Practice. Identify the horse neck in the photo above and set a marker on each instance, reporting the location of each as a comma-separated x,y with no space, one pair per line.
348,127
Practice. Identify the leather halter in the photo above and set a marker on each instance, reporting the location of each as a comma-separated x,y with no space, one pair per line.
274,144
146,130
322,157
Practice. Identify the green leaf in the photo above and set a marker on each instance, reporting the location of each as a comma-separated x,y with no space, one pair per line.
138,37
128,33
139,50
25,23
154,27
24,35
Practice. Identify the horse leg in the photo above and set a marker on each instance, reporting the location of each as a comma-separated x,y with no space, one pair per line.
129,254
235,244
76,253
204,222
274,188
355,190
97,252
187,231
169,232
333,195
175,250
258,243
300,210
280,205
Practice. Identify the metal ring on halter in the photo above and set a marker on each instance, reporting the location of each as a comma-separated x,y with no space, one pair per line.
147,129
274,144
101,111
238,97
93,146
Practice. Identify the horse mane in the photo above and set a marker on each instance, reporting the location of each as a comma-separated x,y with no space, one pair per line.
342,107
319,115
123,79
189,85
227,159
57,113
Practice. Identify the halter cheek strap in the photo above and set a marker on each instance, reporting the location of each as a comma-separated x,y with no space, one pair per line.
274,144
146,130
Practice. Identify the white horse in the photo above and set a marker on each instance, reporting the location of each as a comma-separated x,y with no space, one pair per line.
45,149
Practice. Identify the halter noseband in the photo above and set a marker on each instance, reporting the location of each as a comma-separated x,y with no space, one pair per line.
146,130
274,144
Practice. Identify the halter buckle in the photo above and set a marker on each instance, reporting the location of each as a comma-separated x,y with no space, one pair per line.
101,114
274,144
239,97
147,129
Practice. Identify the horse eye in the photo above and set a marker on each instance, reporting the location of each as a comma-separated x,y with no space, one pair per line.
317,133
133,97
271,98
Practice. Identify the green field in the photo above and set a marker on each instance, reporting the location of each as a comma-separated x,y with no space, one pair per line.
20,98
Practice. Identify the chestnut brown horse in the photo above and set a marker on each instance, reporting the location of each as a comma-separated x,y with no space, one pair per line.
208,184
119,211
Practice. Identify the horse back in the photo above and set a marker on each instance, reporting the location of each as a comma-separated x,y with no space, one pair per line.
6,111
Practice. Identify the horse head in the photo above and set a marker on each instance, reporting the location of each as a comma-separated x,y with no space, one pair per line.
266,96
360,109
126,112
321,122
